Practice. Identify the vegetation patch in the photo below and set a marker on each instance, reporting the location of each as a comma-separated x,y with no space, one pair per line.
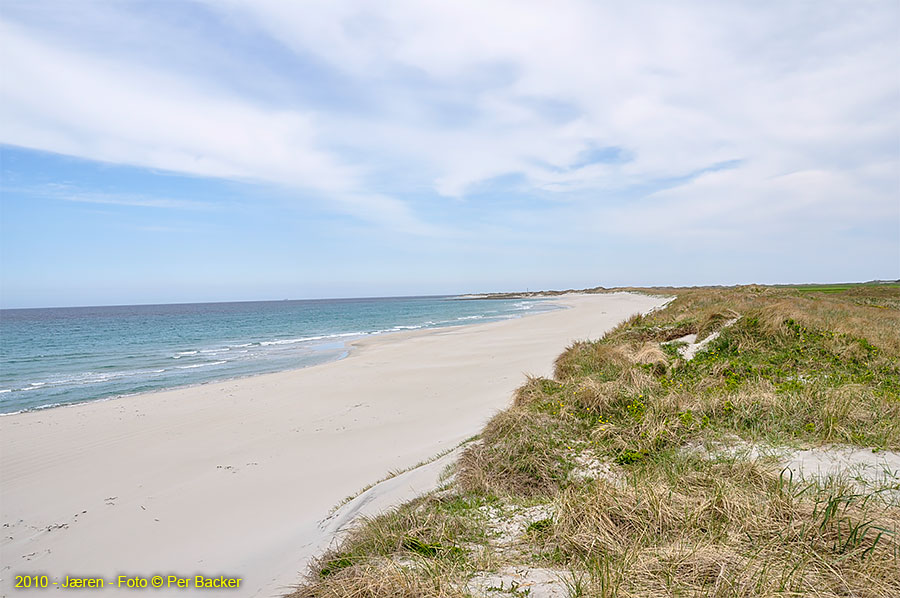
597,475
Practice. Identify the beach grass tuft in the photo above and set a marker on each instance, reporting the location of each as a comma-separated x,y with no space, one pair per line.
637,471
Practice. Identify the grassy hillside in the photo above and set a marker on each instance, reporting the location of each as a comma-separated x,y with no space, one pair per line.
654,463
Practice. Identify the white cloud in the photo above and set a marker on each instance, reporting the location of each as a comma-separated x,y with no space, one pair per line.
103,109
680,87
135,201
805,97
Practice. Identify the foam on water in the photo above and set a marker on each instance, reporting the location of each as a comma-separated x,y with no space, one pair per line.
52,357
200,365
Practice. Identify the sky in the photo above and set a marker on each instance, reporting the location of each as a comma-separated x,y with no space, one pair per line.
179,151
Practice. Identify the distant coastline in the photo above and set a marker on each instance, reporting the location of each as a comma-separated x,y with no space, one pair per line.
599,289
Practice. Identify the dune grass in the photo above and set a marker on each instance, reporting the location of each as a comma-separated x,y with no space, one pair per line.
625,456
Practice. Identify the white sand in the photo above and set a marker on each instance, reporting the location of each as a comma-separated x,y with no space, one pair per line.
234,477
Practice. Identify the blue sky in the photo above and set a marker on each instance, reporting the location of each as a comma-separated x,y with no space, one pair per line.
237,150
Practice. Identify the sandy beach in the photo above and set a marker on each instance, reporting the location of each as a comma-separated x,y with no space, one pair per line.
234,478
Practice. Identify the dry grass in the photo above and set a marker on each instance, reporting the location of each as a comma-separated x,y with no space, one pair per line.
384,577
521,453
866,311
798,367
417,549
726,529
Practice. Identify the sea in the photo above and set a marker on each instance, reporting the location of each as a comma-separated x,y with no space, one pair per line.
50,357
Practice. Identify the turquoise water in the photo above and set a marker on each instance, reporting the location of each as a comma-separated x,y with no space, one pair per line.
59,356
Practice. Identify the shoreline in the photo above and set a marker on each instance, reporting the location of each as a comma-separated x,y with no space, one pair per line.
357,344
234,477
345,351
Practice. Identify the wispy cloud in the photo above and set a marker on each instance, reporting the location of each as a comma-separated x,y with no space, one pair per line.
135,201
97,108
77,194
416,102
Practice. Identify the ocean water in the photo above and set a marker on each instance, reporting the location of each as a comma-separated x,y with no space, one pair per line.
59,356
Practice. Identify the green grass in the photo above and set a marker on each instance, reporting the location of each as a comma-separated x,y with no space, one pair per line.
612,447
825,289
840,288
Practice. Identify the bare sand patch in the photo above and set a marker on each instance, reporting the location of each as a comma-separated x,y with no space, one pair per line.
235,477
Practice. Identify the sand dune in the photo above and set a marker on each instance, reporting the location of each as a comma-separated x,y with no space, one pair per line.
235,478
